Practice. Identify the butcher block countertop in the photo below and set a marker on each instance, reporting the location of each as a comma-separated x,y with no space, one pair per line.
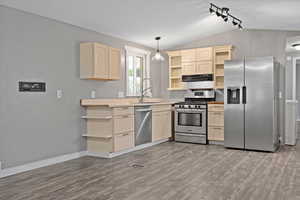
121,102
216,102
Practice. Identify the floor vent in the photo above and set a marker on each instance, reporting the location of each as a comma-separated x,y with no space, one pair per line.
137,166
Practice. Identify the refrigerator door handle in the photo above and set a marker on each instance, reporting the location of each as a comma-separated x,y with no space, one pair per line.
244,91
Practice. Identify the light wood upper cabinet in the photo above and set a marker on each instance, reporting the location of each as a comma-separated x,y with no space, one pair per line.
204,67
114,63
188,55
99,62
101,68
204,54
188,68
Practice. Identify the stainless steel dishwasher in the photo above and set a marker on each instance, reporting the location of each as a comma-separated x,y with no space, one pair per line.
142,124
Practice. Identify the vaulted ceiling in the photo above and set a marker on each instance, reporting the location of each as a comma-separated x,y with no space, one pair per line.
177,21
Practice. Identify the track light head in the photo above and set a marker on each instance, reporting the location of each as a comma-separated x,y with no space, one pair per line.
224,13
211,10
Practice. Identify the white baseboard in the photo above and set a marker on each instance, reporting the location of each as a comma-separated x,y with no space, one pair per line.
51,161
39,164
111,155
216,142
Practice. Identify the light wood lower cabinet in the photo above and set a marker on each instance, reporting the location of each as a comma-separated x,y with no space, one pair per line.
161,122
216,122
123,141
109,129
112,129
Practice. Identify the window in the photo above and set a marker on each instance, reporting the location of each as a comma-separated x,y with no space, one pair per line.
137,61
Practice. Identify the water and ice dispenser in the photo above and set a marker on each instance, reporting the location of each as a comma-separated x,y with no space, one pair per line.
233,95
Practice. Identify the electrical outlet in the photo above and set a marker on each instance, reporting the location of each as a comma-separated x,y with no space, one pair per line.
59,94
93,94
120,94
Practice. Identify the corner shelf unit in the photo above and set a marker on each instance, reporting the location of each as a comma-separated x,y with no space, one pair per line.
221,53
175,71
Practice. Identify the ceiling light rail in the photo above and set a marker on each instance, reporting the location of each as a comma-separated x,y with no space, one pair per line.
224,13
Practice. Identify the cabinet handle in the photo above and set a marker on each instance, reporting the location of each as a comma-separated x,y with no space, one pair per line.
125,116
217,128
125,134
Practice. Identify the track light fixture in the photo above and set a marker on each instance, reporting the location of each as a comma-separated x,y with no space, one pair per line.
211,10
224,13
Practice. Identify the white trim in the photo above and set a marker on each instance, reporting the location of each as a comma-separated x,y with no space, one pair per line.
42,163
129,50
137,50
291,101
216,142
295,77
112,155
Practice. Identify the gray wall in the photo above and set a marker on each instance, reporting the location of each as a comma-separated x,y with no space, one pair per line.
37,126
247,43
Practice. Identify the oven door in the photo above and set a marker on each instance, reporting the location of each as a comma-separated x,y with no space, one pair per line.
190,121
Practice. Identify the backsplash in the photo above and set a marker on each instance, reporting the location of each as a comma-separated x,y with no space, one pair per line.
180,95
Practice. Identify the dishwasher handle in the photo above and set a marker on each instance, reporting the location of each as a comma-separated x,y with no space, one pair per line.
144,110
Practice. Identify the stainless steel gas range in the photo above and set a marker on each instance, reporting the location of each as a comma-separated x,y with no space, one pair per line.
191,117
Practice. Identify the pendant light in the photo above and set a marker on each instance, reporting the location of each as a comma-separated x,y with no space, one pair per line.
158,55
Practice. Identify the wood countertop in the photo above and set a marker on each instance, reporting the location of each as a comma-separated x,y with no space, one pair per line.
123,102
216,102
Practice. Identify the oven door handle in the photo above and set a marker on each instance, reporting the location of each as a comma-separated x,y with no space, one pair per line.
192,112
195,135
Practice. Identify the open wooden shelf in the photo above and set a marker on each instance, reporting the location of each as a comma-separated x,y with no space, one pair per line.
177,89
175,67
222,53
97,136
97,117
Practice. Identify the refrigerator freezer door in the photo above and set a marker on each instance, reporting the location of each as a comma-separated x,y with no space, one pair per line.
259,109
233,107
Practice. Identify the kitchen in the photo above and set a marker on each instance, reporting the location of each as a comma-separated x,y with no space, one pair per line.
80,130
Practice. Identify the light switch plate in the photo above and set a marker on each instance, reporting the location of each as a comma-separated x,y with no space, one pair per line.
59,93
120,94
93,94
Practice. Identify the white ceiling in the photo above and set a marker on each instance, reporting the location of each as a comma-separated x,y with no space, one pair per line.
177,21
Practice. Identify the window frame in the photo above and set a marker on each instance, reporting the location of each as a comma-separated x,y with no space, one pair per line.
136,52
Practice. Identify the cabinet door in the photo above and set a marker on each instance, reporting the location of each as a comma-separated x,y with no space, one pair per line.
123,141
101,70
161,125
204,54
188,68
123,124
188,55
216,133
204,67
216,119
114,63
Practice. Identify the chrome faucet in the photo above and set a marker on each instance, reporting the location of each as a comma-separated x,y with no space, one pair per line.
143,92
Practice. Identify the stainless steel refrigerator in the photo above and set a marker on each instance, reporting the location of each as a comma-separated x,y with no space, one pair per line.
251,104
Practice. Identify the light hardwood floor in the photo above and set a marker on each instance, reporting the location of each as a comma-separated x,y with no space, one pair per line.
174,171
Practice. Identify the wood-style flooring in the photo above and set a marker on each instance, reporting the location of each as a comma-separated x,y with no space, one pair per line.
173,171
